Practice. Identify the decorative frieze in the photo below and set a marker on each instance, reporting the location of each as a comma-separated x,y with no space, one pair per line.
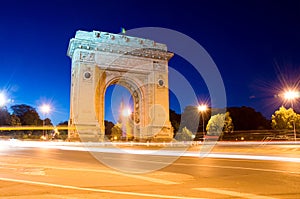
87,56
118,44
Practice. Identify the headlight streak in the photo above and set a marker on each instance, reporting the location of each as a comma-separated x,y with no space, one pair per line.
106,148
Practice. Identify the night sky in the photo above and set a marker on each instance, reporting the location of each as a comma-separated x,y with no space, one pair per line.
255,45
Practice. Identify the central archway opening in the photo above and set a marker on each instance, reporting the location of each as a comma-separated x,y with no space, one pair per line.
118,113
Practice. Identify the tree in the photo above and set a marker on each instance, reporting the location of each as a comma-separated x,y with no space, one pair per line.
184,135
108,127
190,119
15,120
297,122
47,122
63,134
228,125
4,117
27,114
246,118
284,119
175,120
219,123
116,132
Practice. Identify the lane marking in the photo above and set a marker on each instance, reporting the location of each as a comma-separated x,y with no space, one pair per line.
96,190
241,168
233,193
216,166
254,157
31,171
145,178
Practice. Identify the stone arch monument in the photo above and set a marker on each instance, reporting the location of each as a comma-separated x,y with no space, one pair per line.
101,59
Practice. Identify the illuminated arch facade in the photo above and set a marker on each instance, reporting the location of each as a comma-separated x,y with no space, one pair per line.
100,59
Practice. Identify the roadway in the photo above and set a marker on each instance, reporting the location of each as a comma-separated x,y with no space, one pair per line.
230,171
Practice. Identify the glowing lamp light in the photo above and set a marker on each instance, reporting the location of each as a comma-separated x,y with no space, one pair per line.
291,95
3,99
126,112
202,108
45,108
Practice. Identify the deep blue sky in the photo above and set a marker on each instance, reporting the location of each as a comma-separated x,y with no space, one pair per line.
253,43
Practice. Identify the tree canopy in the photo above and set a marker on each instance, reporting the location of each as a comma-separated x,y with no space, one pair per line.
4,117
116,132
193,120
184,135
246,118
175,120
283,119
219,123
108,126
27,114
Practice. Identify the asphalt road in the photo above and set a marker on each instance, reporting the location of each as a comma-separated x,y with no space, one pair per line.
56,172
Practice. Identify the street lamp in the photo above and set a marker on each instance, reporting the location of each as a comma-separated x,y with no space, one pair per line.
202,109
292,95
126,113
45,109
3,99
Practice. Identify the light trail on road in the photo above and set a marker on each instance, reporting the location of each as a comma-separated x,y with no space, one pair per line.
234,193
69,170
111,148
24,128
97,190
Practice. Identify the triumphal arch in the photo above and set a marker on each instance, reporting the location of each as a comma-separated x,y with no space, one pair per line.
101,59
